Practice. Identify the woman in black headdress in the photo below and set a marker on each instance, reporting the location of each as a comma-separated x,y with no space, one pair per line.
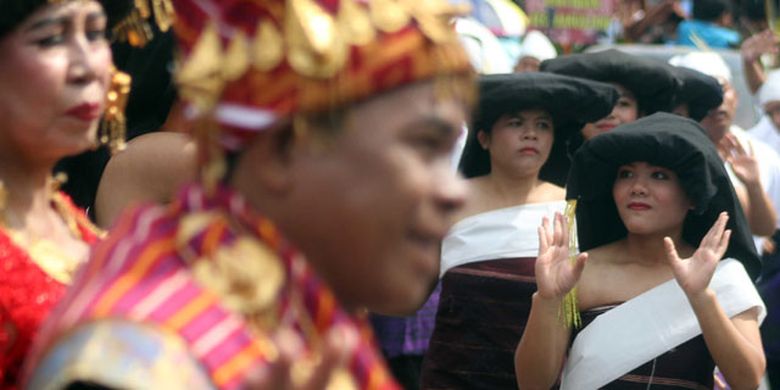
698,93
513,158
656,213
644,86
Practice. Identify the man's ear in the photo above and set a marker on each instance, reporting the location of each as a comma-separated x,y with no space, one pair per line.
268,160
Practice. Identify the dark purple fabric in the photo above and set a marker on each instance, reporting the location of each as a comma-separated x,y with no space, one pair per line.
407,335
483,309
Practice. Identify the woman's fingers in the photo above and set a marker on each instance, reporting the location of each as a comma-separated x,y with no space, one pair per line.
713,237
738,147
558,227
542,240
565,227
548,231
724,243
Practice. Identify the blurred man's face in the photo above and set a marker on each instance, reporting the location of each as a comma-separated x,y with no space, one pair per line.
718,120
527,64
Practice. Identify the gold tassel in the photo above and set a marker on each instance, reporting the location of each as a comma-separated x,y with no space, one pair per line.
570,313
136,30
114,124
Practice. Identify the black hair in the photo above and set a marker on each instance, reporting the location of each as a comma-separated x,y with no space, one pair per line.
710,10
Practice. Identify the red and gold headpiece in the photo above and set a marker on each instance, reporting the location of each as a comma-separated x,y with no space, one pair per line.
250,64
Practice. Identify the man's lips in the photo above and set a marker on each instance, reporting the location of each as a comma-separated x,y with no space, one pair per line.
639,206
606,126
86,112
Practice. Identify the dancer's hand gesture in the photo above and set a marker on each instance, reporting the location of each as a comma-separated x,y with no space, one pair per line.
555,274
694,273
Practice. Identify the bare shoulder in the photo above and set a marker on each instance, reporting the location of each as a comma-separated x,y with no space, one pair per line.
150,169
601,256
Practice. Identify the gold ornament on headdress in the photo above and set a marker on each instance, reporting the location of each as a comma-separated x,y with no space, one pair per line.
316,47
569,311
136,30
200,78
114,124
314,42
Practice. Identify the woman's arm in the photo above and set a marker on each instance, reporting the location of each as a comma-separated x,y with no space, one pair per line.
540,353
734,343
751,50
539,356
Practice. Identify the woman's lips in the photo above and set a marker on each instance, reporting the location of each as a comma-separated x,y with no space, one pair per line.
86,112
529,150
639,206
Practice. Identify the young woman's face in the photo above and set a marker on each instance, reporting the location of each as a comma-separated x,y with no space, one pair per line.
520,142
626,110
54,71
649,199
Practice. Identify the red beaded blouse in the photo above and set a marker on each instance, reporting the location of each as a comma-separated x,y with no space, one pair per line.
28,291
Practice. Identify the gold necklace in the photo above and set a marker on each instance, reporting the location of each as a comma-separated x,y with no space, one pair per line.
42,251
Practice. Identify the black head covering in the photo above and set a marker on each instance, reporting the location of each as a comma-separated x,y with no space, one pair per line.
13,12
668,141
699,91
654,86
571,102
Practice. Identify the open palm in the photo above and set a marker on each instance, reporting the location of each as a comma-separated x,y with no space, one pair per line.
694,273
555,274
743,162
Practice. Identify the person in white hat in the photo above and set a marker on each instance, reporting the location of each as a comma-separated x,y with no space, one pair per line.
754,168
768,128
536,47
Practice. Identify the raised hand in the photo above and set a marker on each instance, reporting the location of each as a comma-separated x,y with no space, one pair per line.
694,273
555,274
758,44
743,162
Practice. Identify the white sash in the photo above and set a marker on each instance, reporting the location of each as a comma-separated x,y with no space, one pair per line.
648,326
497,234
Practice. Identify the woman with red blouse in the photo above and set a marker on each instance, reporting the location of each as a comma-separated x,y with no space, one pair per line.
55,72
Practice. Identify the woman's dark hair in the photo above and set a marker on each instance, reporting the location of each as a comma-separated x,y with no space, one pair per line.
15,12
710,10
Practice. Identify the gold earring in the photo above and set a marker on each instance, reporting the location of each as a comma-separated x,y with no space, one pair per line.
114,124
